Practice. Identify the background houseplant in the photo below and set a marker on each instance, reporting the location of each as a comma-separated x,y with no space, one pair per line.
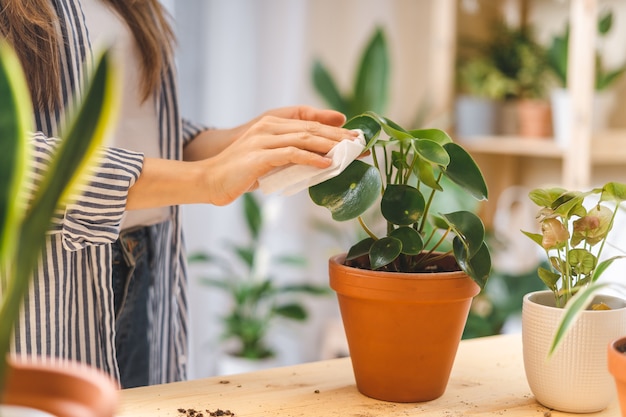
516,54
605,78
574,231
256,298
398,276
481,88
24,220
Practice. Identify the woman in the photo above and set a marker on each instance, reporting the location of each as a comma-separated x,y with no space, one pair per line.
110,290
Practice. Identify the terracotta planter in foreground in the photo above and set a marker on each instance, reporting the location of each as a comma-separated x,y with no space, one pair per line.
403,329
68,390
617,368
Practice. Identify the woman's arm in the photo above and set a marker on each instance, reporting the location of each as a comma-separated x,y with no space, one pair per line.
223,164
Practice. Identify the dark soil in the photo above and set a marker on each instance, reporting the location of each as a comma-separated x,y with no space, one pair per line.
410,264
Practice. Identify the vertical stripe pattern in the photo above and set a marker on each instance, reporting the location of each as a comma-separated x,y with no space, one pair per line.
69,313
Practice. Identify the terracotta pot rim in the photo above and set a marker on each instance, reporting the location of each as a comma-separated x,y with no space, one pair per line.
399,286
337,260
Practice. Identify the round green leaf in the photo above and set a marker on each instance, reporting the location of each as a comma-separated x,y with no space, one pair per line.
412,242
432,152
349,194
469,229
366,123
402,204
425,174
384,251
360,249
436,135
463,171
478,267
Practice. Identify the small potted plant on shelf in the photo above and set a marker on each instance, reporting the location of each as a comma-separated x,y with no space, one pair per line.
605,78
256,299
404,301
557,329
482,87
64,391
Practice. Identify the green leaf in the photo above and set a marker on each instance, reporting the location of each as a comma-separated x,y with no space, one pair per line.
360,249
393,129
603,266
463,171
384,251
581,261
412,243
576,305
425,173
326,87
370,127
548,277
536,237
291,311
545,197
92,122
469,229
371,87
253,214
477,267
436,135
349,194
15,123
402,204
613,191
432,152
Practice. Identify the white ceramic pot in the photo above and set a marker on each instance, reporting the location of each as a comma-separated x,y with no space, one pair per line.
603,104
576,378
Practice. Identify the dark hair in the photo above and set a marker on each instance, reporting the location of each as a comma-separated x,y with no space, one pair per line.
32,28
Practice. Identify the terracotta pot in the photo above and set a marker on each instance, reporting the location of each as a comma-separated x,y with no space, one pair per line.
575,379
535,118
403,330
68,390
617,368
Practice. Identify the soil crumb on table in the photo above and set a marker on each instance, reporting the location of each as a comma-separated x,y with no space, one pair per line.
191,412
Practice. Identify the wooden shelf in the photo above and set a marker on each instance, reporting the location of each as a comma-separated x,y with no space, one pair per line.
514,146
608,147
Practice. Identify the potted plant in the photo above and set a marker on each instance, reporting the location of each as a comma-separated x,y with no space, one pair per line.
256,298
482,86
617,368
64,391
518,57
565,343
605,78
403,301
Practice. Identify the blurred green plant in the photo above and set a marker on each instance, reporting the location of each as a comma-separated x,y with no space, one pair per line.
558,55
255,298
25,219
370,90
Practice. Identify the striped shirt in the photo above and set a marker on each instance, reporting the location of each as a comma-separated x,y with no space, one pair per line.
69,313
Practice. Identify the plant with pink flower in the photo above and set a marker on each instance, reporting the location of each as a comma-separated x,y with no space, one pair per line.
574,236
574,229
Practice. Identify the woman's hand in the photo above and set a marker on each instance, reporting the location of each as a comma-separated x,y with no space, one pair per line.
228,163
295,135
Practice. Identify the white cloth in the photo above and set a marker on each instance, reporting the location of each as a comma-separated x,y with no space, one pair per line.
294,178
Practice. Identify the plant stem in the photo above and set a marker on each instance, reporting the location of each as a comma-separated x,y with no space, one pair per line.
367,229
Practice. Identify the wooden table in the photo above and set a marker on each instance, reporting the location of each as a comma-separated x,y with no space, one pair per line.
487,380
